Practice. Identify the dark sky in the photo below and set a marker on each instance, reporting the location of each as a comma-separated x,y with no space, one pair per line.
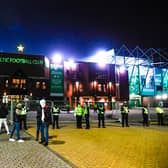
79,28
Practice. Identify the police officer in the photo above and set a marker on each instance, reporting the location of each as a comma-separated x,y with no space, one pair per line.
78,114
86,115
101,112
124,113
145,116
55,113
160,112
67,107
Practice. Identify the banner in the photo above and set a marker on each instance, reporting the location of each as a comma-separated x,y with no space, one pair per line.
56,80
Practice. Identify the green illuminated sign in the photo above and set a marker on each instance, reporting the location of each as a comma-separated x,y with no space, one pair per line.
57,80
14,60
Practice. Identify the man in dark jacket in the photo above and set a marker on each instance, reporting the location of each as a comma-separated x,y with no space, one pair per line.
3,117
46,120
39,123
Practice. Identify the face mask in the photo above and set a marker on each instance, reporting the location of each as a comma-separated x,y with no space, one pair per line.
42,103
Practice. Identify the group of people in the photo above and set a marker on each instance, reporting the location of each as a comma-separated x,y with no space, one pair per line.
145,115
84,113
46,116
19,115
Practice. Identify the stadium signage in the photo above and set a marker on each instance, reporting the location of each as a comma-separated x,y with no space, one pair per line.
14,60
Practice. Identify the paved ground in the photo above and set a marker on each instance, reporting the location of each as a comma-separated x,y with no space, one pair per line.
29,154
111,147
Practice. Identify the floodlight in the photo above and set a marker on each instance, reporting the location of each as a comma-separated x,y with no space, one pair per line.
57,58
122,69
158,97
164,96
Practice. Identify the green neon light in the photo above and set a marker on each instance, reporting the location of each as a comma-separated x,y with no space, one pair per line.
20,60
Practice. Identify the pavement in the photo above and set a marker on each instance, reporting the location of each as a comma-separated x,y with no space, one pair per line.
110,147
29,154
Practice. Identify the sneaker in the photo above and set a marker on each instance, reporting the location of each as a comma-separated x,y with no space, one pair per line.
45,144
12,139
8,133
41,142
20,140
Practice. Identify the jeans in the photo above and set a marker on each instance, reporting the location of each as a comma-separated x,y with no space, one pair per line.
38,129
44,129
4,121
17,127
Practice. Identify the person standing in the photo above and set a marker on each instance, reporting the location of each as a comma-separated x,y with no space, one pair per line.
160,112
46,120
23,117
39,124
145,116
3,117
87,115
16,125
78,114
101,113
124,114
55,113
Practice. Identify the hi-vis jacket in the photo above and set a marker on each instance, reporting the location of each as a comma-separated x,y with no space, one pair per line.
56,111
78,111
159,110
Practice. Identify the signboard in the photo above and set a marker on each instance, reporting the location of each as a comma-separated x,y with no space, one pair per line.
30,65
20,60
57,81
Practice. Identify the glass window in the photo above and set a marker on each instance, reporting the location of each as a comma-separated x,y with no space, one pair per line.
37,85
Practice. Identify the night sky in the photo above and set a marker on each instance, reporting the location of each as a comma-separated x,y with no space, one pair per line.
79,28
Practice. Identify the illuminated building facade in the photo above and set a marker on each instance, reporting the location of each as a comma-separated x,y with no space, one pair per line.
144,81
22,75
137,76
86,81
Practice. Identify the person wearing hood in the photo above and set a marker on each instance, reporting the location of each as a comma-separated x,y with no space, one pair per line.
16,125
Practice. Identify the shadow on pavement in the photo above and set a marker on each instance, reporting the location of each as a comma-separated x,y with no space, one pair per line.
52,136
57,142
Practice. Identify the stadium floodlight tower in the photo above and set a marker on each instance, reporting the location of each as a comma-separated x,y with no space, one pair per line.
57,58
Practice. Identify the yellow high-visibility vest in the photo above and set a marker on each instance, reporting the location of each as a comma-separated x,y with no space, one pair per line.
159,110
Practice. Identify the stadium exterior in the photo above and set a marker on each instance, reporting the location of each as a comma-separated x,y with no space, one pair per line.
147,78
138,76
